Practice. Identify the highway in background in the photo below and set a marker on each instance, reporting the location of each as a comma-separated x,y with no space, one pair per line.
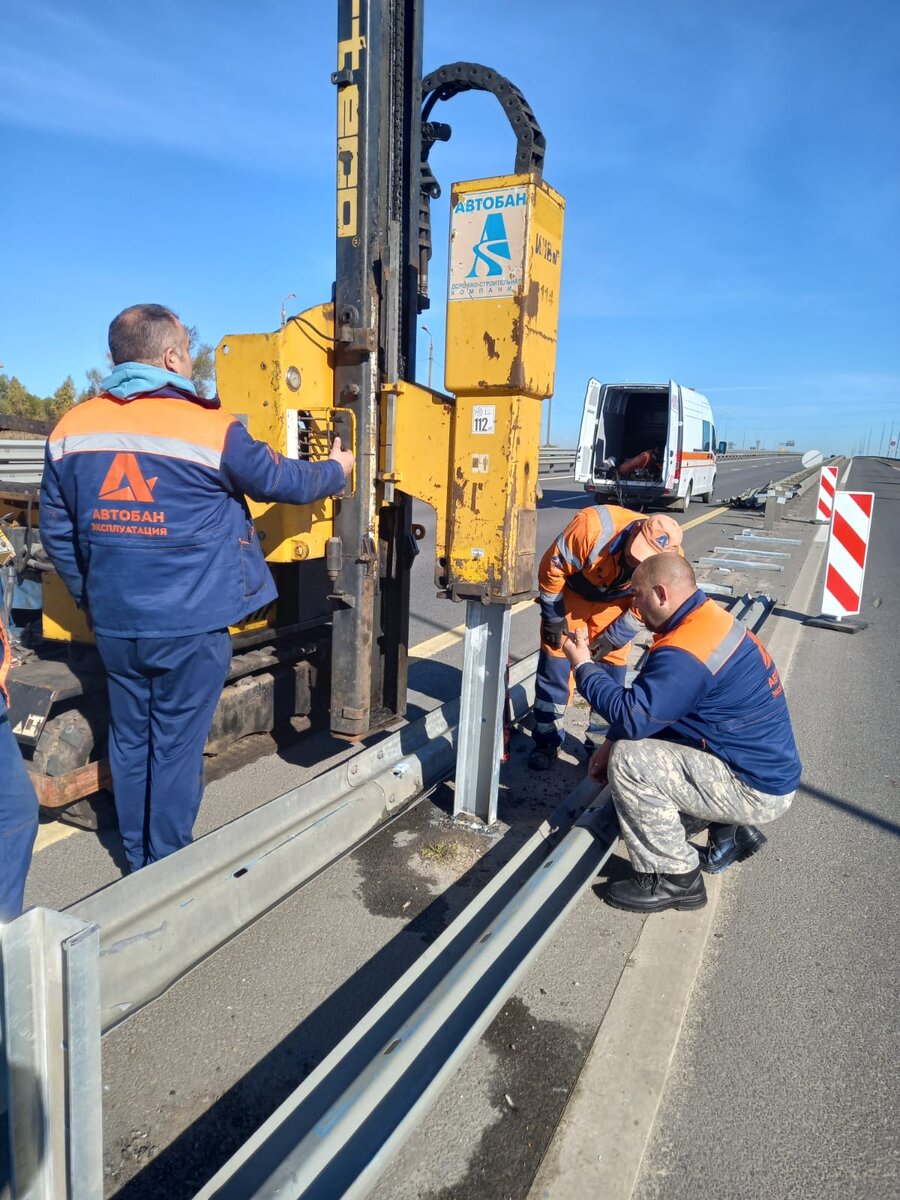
431,616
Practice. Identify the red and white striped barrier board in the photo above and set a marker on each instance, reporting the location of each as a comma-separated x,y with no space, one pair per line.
827,488
848,546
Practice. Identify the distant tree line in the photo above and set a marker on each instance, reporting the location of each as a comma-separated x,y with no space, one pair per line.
16,400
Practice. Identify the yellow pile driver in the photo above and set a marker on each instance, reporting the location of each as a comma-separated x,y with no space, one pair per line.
336,640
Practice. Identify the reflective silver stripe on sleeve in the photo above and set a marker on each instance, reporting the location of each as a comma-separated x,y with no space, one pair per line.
630,622
623,630
566,553
725,648
605,536
549,597
137,443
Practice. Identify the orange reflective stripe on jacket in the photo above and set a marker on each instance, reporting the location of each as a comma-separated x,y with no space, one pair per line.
708,633
149,425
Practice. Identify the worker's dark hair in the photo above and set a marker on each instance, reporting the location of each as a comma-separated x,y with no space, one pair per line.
143,333
671,570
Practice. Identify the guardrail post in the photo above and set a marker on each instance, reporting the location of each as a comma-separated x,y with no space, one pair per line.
771,509
482,698
51,1044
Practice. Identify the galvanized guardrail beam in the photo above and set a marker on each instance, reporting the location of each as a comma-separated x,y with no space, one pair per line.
21,461
335,1135
338,1131
51,1050
158,923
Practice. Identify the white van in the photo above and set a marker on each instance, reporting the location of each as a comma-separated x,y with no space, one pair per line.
643,442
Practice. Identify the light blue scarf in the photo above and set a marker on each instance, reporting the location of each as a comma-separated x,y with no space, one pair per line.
134,378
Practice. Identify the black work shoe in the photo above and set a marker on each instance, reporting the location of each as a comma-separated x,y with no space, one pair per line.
542,758
653,893
730,844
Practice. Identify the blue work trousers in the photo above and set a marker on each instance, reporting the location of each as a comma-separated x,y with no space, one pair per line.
552,693
18,821
162,696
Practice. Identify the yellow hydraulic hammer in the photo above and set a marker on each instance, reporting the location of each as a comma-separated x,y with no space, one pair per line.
502,314
474,457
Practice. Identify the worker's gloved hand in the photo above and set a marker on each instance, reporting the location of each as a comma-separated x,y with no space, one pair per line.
553,632
600,647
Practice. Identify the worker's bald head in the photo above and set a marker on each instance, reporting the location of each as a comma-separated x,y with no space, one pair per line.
661,585
671,570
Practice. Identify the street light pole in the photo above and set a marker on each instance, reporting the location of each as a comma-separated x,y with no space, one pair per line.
425,329
549,415
284,300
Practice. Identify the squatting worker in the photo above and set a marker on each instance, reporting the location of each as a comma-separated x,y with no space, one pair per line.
585,583
703,736
143,514
18,806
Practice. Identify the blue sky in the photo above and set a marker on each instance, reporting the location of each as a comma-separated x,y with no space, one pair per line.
731,172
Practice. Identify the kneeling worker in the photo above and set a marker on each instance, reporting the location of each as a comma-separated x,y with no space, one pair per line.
144,517
585,583
704,731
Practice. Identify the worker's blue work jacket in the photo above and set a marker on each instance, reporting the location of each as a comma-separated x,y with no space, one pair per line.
710,683
143,509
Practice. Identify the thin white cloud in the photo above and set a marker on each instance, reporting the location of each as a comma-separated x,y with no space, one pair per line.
182,86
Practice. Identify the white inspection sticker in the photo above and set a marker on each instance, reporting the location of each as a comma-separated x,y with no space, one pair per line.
484,418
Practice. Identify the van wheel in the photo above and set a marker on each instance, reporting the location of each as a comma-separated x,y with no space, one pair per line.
706,498
686,502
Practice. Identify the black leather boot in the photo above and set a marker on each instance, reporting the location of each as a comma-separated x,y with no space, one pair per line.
542,758
729,844
653,893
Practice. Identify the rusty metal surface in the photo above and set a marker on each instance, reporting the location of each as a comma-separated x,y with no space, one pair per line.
60,790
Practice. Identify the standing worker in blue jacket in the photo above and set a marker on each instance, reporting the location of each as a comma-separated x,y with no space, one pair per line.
18,806
143,514
703,733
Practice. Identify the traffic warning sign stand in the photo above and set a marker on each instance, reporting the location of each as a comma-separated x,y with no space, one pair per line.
845,567
827,487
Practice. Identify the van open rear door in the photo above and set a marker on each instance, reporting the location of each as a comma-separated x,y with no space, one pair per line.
591,436
672,472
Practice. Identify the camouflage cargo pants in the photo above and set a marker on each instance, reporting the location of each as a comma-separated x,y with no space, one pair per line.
664,793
